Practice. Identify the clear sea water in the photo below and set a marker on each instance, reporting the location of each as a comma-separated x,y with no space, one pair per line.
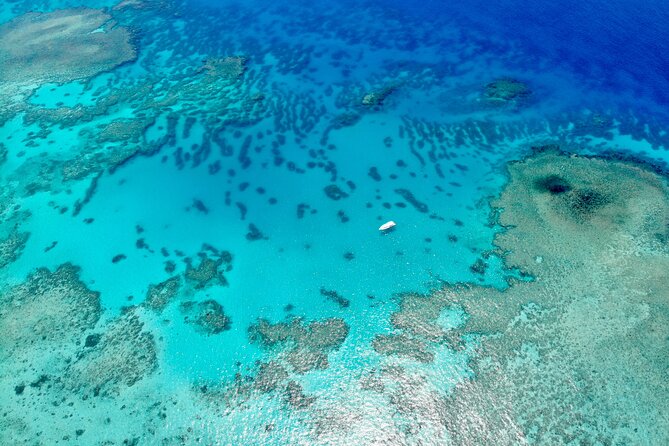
331,119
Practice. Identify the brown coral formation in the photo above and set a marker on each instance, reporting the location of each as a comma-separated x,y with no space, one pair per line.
506,90
231,67
12,246
160,295
403,345
375,98
207,272
62,46
207,316
319,335
304,347
297,348
49,308
125,353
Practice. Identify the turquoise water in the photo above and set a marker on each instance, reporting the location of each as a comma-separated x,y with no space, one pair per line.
250,152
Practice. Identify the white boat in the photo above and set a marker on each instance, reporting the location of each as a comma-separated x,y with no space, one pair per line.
388,225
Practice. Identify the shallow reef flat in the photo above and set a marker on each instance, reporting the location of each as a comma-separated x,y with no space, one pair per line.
588,332
49,310
61,46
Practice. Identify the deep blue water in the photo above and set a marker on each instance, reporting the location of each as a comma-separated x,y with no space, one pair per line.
622,44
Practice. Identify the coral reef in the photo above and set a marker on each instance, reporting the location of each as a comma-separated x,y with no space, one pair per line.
61,46
49,308
346,119
270,376
56,364
12,246
255,234
124,354
327,334
589,332
209,271
207,316
230,68
403,345
295,396
160,295
591,232
375,98
295,348
122,130
334,192
506,90
204,272
304,347
335,297
412,200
